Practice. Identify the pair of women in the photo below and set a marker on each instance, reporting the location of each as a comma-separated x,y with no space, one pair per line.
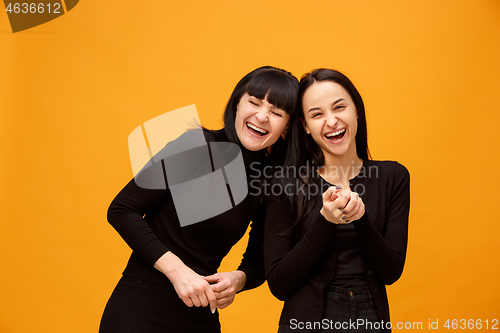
327,244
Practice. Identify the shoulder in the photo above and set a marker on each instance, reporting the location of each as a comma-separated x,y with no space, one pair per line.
200,134
386,169
214,135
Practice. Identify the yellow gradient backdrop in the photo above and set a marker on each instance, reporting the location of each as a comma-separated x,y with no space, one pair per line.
73,89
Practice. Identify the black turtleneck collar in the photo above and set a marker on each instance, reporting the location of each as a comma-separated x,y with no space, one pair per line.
252,156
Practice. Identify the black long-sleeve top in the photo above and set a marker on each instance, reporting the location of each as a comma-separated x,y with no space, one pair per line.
147,220
301,263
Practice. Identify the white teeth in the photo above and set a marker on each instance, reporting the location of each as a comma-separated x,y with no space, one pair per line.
256,128
329,135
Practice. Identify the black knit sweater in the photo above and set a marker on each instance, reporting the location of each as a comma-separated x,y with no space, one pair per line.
147,220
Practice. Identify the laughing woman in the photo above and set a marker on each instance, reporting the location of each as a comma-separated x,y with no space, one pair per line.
345,238
171,282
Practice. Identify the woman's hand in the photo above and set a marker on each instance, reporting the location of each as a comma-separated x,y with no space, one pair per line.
225,286
192,288
351,205
342,206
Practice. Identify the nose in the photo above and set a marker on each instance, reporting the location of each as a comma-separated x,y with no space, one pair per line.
261,115
331,120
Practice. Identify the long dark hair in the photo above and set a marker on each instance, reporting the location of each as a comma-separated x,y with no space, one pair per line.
310,155
310,150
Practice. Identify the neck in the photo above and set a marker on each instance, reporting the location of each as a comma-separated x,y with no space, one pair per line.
340,169
250,156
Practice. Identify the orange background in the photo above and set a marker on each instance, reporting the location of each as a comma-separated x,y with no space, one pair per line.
73,89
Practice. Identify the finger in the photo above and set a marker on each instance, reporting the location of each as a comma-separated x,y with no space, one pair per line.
336,191
220,286
225,301
187,301
345,196
196,300
359,213
350,215
223,294
212,278
334,196
351,205
212,299
225,304
349,212
327,195
203,298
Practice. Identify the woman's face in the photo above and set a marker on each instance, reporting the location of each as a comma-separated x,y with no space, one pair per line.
258,123
330,117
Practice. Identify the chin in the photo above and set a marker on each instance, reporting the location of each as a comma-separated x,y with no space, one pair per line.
250,146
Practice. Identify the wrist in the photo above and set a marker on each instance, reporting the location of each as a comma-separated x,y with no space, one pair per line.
240,280
325,215
169,264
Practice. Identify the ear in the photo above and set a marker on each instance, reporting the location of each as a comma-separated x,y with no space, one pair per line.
285,132
305,126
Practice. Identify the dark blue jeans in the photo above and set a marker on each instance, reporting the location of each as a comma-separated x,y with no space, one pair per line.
344,310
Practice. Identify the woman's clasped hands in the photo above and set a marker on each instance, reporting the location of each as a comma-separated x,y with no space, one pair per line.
217,290
342,206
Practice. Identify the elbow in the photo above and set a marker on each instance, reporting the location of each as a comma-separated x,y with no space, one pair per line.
278,289
279,294
391,279
280,297
112,213
393,274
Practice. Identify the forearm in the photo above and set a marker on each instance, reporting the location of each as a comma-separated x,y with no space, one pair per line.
126,215
170,265
290,263
385,250
252,264
385,259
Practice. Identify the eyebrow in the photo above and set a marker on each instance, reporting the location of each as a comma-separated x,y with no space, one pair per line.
318,108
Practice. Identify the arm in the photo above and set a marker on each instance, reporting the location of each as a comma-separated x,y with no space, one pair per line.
148,188
288,262
126,215
252,264
386,251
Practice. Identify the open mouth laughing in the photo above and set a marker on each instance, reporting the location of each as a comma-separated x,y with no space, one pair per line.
255,130
335,136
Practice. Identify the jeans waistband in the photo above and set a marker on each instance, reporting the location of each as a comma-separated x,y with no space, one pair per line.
349,294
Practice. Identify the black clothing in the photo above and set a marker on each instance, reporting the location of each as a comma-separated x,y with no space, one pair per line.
301,264
138,306
347,310
349,271
147,220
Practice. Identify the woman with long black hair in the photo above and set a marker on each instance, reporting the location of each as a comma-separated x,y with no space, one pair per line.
344,238
171,282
